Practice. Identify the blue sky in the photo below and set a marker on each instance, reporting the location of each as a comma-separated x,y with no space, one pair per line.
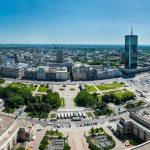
73,21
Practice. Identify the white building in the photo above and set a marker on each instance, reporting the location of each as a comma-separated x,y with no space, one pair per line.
62,74
108,73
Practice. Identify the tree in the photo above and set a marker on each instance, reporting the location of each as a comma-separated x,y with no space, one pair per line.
101,105
85,99
6,93
127,95
92,130
52,99
14,101
26,94
66,147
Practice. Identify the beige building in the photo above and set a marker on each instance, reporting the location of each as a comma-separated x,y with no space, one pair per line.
62,74
8,132
137,124
46,73
12,130
13,70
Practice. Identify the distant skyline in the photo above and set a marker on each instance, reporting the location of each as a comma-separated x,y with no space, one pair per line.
73,21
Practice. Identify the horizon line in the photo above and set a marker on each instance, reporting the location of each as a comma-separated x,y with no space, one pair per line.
67,44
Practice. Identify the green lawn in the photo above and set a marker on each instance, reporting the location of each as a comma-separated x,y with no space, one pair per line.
42,88
62,102
2,81
29,87
118,93
111,86
134,104
99,98
9,110
90,88
97,131
54,133
89,114
53,116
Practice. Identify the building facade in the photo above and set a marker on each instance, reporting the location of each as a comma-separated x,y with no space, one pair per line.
12,71
60,56
137,125
131,47
13,130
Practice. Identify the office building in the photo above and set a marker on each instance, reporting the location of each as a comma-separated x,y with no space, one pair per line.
131,47
60,56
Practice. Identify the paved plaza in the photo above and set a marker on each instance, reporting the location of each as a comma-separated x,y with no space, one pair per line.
67,92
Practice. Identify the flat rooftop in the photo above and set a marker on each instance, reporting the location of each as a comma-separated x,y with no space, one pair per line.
5,123
144,113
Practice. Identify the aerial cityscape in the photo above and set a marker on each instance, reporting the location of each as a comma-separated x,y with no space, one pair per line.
80,90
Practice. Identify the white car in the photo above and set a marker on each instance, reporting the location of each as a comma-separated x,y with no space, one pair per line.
49,123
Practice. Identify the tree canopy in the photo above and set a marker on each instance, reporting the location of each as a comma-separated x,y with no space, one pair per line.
85,99
37,107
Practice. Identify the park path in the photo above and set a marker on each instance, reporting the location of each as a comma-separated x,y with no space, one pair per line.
105,91
97,89
36,91
77,140
119,145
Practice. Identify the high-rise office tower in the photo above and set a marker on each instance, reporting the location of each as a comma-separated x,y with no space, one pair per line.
131,47
60,56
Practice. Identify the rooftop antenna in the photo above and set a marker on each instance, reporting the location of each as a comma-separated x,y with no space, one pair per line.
131,31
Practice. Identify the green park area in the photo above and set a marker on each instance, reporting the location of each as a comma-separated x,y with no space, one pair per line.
43,88
62,102
100,102
29,87
98,136
90,88
110,86
2,81
51,135
118,93
53,116
132,105
17,95
97,131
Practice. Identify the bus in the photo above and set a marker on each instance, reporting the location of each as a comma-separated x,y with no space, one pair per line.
80,114
71,114
58,115
76,119
65,115
68,114
83,114
62,115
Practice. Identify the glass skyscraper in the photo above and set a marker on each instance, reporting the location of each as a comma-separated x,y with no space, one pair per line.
131,47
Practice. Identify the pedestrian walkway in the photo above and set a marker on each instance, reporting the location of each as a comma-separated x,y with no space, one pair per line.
68,93
77,141
36,91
